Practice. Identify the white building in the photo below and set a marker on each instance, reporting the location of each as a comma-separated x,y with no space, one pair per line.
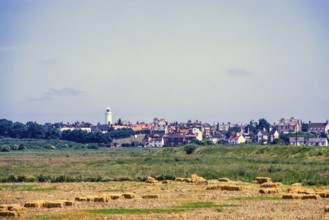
318,142
108,116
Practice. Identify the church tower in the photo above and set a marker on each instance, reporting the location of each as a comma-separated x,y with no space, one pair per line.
108,116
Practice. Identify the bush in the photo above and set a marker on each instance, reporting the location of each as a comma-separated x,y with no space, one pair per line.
21,147
5,148
189,149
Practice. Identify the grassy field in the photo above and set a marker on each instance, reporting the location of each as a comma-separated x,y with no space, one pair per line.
286,164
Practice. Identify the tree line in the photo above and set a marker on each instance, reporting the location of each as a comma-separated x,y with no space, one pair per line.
37,131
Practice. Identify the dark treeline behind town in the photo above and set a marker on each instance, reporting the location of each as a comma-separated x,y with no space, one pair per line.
52,131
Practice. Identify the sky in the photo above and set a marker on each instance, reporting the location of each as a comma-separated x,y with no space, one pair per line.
209,60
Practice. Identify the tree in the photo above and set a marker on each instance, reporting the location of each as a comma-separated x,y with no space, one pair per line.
34,130
18,130
52,133
119,122
189,149
232,130
5,127
262,123
305,127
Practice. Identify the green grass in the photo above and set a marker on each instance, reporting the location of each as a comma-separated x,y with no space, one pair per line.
24,187
181,208
258,198
134,211
284,164
200,205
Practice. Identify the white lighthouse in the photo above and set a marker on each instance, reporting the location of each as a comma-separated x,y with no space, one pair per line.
108,116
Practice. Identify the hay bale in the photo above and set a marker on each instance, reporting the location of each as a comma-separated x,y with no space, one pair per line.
129,195
195,178
6,213
202,182
3,207
254,182
292,196
53,204
322,193
296,185
15,207
298,190
179,179
231,188
151,180
310,196
269,190
214,187
166,181
326,209
150,196
187,180
11,210
80,199
101,199
68,203
223,179
34,204
90,198
114,197
270,185
261,180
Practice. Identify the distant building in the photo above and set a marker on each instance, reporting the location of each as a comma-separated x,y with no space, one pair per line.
318,127
265,137
318,142
178,139
154,141
74,128
291,125
108,116
299,142
236,139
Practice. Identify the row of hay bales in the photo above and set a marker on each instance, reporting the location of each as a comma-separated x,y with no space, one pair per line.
229,186
267,185
11,210
194,179
16,210
297,191
114,197
48,204
153,180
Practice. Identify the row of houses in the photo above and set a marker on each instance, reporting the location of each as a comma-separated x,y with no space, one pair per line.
161,133
300,141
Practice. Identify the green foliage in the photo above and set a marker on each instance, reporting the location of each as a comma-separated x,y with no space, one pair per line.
181,208
4,148
282,163
262,123
189,149
33,188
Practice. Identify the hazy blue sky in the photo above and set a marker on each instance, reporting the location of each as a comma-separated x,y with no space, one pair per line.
212,60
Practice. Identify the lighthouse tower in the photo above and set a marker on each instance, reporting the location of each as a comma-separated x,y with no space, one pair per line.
108,116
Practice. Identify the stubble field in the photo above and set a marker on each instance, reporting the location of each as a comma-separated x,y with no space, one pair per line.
58,176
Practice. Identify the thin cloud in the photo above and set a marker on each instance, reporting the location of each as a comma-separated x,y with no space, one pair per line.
54,93
238,73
